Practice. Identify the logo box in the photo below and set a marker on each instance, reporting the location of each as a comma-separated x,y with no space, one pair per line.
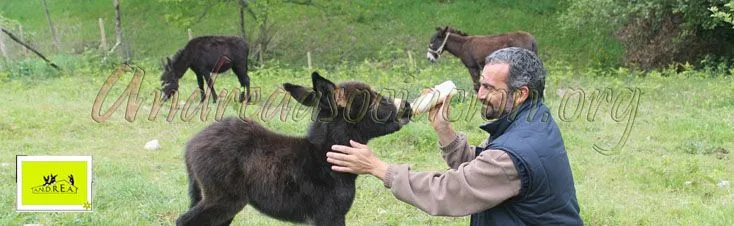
54,183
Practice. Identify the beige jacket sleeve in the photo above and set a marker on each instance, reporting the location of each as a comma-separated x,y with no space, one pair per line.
458,151
469,187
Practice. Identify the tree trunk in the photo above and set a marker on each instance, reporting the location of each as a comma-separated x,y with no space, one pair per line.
243,33
51,26
125,53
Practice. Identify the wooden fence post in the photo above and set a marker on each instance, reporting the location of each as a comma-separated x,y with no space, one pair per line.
411,67
102,36
308,55
2,48
20,29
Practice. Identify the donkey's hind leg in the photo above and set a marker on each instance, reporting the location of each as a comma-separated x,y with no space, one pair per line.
334,220
194,189
241,72
218,211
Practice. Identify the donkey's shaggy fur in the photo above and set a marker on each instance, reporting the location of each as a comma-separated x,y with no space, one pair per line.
236,161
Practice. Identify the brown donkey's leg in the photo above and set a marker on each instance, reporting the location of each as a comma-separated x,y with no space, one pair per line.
475,73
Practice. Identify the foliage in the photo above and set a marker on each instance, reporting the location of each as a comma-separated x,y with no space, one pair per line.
657,32
724,15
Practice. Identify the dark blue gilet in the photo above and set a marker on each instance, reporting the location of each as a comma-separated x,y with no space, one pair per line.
534,143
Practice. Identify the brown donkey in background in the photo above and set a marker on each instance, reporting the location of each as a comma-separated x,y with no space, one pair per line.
473,49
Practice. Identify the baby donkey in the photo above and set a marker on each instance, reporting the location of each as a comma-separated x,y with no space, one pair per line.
235,162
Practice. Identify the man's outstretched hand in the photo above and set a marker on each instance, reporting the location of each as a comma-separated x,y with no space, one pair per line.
357,159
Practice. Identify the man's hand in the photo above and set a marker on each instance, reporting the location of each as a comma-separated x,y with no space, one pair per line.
438,116
357,159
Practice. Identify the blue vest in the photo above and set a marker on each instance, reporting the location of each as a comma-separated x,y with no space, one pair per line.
547,195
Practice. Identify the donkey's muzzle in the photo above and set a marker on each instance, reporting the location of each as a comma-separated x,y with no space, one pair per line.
431,57
405,113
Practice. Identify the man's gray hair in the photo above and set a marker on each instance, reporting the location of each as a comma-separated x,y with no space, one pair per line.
526,69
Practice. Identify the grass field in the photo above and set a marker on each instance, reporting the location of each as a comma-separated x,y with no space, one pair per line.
667,173
333,32
670,168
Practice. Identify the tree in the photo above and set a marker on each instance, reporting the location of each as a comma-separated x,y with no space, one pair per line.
119,42
51,26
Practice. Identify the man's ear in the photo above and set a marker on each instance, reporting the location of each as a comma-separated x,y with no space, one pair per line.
302,94
521,95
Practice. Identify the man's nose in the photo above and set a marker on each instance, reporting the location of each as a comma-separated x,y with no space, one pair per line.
482,93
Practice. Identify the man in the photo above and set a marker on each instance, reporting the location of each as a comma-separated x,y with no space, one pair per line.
519,176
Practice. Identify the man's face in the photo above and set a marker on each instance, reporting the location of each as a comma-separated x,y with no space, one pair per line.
493,91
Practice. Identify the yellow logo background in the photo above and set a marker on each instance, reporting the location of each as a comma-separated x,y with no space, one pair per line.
33,173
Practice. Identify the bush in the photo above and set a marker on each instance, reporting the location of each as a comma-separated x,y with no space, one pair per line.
657,32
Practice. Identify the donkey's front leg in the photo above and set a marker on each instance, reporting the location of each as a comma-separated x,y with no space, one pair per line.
210,85
475,73
200,82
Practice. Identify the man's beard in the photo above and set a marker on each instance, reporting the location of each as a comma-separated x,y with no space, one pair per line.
491,111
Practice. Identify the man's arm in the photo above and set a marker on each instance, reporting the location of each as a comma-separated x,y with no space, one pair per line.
457,151
474,186
455,147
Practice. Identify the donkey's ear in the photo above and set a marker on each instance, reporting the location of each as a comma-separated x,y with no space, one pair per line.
302,94
320,84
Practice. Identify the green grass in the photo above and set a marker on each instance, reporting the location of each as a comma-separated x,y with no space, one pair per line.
681,124
333,32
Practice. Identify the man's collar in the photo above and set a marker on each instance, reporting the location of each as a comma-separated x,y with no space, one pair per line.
498,127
